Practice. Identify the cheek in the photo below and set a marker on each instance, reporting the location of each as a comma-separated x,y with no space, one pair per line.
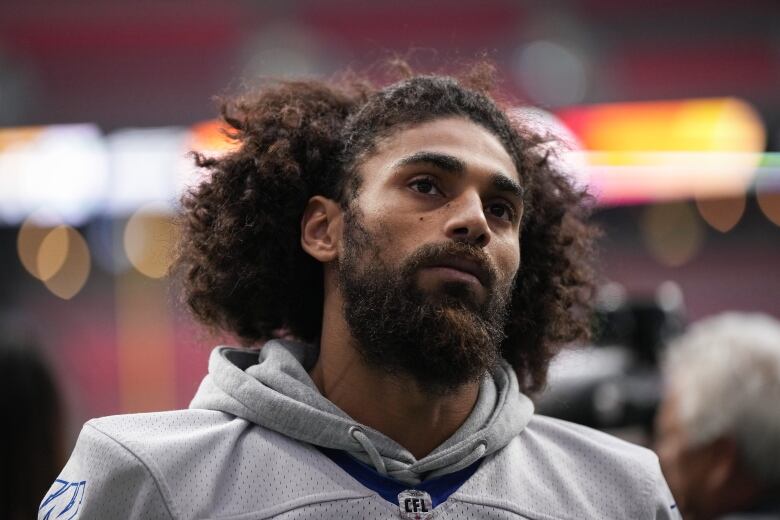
396,238
508,261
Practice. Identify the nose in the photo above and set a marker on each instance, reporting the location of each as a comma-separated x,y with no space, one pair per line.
466,221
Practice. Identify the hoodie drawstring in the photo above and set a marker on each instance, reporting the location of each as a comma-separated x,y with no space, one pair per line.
370,449
379,464
477,453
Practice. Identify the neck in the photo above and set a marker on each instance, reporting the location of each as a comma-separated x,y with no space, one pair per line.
394,405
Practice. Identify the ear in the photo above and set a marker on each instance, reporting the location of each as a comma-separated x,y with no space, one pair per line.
321,227
724,461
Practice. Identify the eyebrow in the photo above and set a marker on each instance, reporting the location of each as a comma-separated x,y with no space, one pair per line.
452,164
445,162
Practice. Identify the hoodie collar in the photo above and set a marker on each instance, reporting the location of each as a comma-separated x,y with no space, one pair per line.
271,387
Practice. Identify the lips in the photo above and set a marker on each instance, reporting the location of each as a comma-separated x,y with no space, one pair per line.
466,265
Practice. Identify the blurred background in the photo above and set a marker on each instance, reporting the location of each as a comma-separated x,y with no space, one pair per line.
673,108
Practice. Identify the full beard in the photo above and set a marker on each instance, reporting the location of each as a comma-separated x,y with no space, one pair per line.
443,338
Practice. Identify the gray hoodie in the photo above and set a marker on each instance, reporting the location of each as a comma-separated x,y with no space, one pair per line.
271,387
247,449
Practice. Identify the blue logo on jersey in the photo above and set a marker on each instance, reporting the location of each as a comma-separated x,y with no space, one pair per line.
64,500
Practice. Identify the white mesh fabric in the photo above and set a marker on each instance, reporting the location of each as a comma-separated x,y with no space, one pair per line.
205,464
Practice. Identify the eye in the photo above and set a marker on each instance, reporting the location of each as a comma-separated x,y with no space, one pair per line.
501,210
426,186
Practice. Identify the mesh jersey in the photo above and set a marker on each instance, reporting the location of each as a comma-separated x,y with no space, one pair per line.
208,464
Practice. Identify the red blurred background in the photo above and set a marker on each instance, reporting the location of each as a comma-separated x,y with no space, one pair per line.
140,75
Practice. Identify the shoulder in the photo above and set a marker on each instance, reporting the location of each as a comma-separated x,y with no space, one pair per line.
194,464
175,445
557,469
102,478
160,432
585,445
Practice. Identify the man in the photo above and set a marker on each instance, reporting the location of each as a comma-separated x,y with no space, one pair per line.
718,426
424,262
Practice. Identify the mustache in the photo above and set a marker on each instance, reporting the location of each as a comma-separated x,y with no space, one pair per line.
434,254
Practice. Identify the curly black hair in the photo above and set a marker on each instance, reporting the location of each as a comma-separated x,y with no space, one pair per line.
244,270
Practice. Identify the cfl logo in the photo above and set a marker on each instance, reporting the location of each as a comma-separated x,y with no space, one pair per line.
415,505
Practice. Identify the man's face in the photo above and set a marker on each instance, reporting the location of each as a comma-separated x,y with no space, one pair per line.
430,252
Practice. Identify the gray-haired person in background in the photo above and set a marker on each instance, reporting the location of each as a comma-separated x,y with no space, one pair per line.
718,427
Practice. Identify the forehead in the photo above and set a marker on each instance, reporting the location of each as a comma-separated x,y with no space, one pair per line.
459,137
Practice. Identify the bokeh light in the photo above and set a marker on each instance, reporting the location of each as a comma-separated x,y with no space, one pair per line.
768,189
285,49
61,167
712,125
669,296
770,206
611,296
722,213
13,143
672,232
551,74
28,241
635,177
149,240
210,138
67,243
142,164
53,252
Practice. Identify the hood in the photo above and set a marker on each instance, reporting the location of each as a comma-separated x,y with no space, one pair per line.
271,387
